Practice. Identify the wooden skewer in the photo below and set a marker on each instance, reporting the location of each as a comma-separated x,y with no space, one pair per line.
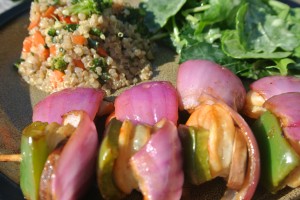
10,158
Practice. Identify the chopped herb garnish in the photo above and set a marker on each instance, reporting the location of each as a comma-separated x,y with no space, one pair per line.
71,27
93,43
104,77
17,64
59,64
89,7
96,32
101,62
52,32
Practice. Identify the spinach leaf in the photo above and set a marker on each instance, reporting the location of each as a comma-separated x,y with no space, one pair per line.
253,38
232,47
158,12
203,50
262,30
250,69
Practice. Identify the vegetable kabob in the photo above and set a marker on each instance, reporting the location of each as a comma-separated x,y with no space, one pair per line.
274,102
59,148
216,141
141,147
264,88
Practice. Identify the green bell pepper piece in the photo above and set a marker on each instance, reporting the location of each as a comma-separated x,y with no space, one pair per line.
278,158
106,158
34,153
195,153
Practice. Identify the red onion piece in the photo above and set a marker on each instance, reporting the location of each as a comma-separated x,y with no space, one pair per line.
76,164
148,103
286,106
265,88
198,77
274,85
56,104
253,169
158,165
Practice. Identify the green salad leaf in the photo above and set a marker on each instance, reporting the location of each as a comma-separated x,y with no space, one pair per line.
158,12
234,48
253,38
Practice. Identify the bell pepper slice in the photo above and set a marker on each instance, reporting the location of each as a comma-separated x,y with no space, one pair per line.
34,152
195,152
107,155
278,158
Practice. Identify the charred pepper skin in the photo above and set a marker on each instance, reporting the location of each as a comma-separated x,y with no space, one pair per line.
34,152
278,158
195,153
106,158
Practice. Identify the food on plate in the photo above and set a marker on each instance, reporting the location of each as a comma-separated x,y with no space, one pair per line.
51,108
254,38
148,103
60,143
54,157
199,78
216,140
84,43
264,88
141,148
277,133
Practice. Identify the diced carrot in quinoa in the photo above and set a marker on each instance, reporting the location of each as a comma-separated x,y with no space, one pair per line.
27,43
78,63
45,54
56,77
49,12
79,39
35,22
53,50
38,38
66,19
102,52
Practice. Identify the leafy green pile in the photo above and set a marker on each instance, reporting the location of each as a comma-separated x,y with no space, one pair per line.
253,38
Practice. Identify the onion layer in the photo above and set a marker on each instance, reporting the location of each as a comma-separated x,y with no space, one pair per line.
265,88
274,85
148,103
247,188
57,104
287,107
158,165
76,164
253,169
198,77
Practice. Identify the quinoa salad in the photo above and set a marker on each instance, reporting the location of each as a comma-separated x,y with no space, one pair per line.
83,43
